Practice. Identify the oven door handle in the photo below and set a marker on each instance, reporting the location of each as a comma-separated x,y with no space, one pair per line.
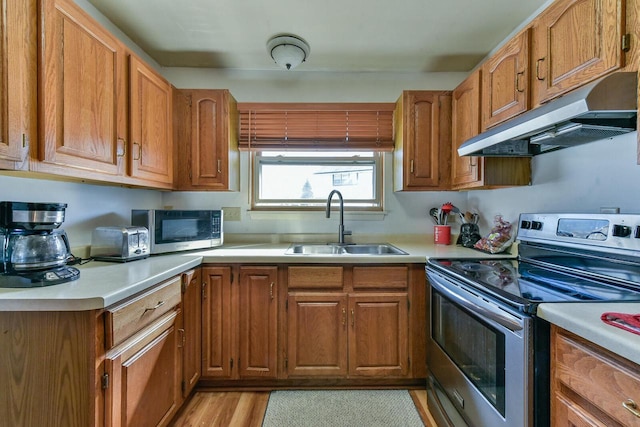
508,323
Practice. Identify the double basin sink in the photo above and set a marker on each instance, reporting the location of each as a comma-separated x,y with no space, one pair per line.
344,249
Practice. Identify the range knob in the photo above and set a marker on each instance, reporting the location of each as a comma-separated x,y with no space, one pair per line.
525,224
536,225
621,230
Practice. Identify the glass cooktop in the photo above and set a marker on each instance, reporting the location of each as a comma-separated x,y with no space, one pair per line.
525,285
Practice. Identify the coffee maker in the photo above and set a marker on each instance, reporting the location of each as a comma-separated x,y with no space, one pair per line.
35,252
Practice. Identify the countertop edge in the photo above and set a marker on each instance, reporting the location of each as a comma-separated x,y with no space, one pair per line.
583,319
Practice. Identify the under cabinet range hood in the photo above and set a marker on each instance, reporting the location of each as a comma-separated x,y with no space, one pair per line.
599,110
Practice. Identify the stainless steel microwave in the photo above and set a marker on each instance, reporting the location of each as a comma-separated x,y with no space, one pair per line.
180,230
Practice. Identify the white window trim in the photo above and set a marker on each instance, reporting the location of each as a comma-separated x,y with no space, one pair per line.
258,210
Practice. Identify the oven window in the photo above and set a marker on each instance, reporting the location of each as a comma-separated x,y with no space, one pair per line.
475,347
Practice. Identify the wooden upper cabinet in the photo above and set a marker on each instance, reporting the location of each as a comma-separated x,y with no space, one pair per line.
82,110
206,140
150,112
18,80
422,156
465,124
505,77
575,42
479,172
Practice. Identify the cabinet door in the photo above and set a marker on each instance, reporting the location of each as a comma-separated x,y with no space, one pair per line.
575,42
505,77
18,47
258,322
144,389
479,172
317,334
191,329
378,329
465,106
426,140
151,124
81,106
216,322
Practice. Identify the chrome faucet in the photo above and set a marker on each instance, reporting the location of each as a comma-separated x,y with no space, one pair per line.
341,230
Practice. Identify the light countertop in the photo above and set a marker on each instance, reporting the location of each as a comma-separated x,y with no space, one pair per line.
583,319
102,284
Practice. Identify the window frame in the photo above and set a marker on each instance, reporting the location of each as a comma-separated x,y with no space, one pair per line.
318,204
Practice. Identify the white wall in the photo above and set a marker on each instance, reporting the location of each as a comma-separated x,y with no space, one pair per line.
89,206
577,179
406,213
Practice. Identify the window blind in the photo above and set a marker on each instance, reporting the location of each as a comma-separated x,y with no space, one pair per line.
319,126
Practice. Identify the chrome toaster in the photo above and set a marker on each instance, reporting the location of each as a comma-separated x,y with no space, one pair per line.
120,244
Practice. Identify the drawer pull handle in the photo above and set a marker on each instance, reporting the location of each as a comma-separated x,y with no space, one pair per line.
632,407
159,304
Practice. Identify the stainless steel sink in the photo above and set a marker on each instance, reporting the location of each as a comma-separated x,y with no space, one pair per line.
346,249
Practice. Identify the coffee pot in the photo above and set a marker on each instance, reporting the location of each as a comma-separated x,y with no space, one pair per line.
34,251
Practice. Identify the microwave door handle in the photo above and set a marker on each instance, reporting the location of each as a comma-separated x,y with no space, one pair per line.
508,323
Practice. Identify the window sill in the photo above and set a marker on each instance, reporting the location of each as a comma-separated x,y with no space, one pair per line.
296,215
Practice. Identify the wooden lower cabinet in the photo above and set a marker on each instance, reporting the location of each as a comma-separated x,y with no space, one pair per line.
362,331
239,322
335,334
591,386
51,368
144,374
190,339
317,334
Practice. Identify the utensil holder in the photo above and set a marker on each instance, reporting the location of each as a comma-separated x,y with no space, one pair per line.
442,234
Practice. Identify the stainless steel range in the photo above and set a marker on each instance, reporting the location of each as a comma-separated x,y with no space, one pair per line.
488,353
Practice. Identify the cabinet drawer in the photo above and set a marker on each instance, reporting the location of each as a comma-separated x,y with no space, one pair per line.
380,277
314,277
129,317
597,378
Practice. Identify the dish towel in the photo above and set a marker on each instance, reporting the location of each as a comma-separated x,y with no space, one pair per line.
628,322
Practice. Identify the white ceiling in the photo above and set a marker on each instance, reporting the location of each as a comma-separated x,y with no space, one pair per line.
344,35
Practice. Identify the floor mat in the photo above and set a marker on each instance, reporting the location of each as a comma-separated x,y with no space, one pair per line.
350,408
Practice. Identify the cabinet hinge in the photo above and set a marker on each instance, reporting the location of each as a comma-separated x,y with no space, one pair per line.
408,305
183,386
204,290
626,43
286,362
231,362
232,278
105,381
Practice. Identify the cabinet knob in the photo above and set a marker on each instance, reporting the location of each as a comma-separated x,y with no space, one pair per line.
632,407
538,69
158,305
139,151
521,73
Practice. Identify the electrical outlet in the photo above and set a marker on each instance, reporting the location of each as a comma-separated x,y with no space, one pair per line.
609,210
231,214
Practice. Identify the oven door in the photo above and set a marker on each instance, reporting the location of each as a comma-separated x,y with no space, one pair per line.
479,356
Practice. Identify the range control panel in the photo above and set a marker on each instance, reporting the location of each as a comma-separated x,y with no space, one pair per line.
613,231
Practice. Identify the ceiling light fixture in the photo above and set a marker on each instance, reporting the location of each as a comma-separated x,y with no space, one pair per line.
288,51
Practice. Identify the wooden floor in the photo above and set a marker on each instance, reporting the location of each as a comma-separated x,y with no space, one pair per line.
246,409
